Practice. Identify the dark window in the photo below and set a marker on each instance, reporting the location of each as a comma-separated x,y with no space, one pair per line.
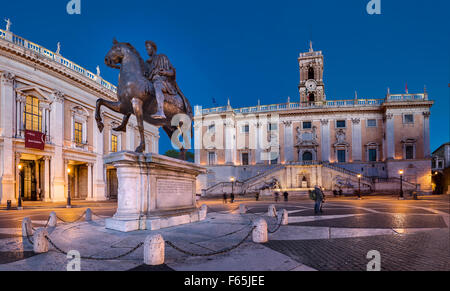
372,155
244,159
409,152
246,128
307,156
340,123
311,97
408,118
274,161
211,158
371,123
273,126
311,73
307,124
341,156
212,128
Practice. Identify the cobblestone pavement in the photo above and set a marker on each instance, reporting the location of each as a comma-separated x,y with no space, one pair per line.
425,251
409,234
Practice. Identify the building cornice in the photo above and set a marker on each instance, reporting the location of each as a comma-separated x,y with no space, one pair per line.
50,67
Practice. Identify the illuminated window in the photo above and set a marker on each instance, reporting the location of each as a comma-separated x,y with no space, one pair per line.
32,115
114,143
78,132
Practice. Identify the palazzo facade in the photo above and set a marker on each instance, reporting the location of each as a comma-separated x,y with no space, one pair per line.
375,138
43,93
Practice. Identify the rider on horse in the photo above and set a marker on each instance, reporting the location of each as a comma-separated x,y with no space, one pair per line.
160,71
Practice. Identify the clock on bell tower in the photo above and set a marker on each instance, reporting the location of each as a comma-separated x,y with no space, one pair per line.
311,87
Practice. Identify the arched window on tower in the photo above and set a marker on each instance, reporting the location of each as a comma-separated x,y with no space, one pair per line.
311,97
311,73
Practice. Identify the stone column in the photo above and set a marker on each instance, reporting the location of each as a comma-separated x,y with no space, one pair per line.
58,172
46,193
198,138
426,134
229,142
89,185
325,138
17,179
258,142
390,135
6,126
99,177
66,180
288,142
356,140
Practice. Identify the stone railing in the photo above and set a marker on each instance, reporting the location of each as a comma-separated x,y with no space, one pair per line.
406,97
40,50
290,106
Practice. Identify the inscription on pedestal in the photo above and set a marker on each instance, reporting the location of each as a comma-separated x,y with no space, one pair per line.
172,193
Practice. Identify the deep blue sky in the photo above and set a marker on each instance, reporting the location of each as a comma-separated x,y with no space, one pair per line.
247,50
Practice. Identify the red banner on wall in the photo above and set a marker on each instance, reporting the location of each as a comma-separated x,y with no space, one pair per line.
34,139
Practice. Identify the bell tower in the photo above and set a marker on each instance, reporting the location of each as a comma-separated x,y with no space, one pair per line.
311,85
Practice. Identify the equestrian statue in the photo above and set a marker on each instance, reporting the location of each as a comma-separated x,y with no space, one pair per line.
146,89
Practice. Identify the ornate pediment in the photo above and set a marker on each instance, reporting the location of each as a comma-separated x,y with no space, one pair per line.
306,137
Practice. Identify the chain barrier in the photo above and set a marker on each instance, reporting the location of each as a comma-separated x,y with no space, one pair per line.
100,216
71,221
28,237
169,243
95,258
276,228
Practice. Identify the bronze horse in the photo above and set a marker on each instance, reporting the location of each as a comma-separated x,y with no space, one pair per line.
136,95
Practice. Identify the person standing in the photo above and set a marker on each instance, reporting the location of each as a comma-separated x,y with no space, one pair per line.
286,195
257,196
225,198
232,197
277,195
318,198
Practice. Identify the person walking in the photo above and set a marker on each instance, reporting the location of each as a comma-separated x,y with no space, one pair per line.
285,194
318,198
225,198
232,197
277,195
257,196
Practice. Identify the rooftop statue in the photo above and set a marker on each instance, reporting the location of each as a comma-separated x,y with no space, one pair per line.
146,89
8,24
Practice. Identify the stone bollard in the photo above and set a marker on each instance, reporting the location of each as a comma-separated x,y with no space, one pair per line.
154,247
259,234
52,221
272,212
27,229
242,208
284,217
88,215
40,243
203,211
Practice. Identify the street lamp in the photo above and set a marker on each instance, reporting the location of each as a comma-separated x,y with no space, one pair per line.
19,202
359,186
232,179
68,190
401,184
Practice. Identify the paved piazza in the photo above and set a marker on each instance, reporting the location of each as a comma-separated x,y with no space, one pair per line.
408,234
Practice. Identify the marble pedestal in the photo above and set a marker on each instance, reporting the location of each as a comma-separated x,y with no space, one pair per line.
154,191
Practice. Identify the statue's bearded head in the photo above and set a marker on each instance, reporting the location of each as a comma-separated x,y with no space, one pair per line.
151,47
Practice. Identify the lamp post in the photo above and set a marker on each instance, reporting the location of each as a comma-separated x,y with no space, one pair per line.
232,179
359,186
68,189
401,184
19,201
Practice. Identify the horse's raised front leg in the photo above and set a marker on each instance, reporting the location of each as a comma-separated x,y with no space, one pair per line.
138,112
114,106
123,126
